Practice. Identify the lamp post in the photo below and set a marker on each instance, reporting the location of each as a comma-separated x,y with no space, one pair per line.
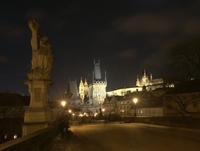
63,104
135,101
103,113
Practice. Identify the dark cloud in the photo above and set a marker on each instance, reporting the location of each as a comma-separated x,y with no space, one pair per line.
3,60
162,23
156,60
127,54
36,13
146,24
192,25
13,32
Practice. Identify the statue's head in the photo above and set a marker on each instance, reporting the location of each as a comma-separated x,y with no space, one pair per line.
33,24
44,41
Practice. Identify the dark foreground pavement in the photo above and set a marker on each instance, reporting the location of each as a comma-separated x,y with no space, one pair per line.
128,137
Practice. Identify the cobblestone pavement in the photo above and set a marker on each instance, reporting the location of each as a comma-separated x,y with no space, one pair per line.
127,137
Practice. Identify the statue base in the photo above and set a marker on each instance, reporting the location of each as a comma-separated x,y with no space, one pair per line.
35,119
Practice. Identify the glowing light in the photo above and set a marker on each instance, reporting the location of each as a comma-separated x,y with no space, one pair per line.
5,136
81,115
85,114
70,111
73,114
103,109
95,114
63,103
135,100
15,136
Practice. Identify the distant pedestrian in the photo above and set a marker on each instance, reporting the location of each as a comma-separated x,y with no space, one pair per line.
64,126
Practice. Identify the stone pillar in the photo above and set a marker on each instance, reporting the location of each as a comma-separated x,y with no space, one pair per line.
37,115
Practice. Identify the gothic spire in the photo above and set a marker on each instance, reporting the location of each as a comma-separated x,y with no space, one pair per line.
145,73
105,77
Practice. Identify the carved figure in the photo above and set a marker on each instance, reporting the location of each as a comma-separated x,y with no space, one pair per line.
42,57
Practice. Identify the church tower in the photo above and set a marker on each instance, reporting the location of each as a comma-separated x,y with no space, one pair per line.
97,90
81,90
86,88
138,81
144,80
97,70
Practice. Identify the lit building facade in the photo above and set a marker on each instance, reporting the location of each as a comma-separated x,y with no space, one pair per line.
96,91
83,90
149,104
123,91
148,82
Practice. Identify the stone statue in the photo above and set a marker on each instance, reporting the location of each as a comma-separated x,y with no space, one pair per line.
42,57
38,115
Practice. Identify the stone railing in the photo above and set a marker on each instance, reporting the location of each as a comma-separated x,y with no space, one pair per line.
184,122
38,141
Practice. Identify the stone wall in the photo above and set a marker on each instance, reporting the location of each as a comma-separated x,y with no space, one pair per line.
38,141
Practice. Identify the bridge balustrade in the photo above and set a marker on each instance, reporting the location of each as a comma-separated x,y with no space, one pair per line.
38,141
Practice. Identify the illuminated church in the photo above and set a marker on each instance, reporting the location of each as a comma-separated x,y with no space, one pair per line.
148,82
94,93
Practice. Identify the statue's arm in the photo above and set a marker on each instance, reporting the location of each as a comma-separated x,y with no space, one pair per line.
33,26
34,41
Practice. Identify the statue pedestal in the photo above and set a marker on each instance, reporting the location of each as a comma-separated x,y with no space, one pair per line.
37,115
35,119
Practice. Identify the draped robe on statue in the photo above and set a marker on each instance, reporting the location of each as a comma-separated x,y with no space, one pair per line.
41,49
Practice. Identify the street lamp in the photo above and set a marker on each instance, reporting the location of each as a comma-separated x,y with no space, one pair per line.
135,101
63,103
70,111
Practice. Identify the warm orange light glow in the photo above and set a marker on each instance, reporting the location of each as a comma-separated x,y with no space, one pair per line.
81,115
70,111
63,103
95,114
135,100
15,136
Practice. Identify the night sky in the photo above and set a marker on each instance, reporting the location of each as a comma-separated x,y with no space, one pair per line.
126,35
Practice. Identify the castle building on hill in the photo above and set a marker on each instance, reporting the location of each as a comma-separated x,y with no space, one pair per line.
148,82
145,81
